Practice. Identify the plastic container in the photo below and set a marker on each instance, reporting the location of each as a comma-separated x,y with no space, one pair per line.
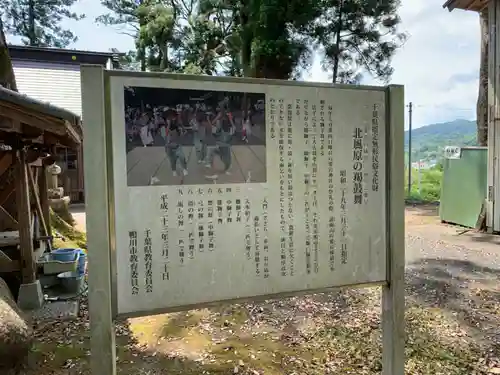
54,267
64,255
70,281
82,262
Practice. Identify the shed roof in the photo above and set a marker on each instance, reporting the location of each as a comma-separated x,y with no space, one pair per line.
474,5
60,55
37,121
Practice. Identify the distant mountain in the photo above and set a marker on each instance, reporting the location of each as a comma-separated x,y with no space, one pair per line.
428,142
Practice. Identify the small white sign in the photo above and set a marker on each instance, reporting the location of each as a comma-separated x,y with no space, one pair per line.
452,152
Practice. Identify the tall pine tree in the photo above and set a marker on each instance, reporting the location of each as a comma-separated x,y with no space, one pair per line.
38,22
261,38
358,37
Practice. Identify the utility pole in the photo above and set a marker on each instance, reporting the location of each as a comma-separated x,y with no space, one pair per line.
410,119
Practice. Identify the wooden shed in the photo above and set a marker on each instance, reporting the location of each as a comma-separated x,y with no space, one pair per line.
30,131
52,75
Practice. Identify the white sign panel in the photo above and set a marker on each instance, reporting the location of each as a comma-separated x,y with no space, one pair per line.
452,152
214,202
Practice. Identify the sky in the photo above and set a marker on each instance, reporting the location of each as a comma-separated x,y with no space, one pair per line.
438,65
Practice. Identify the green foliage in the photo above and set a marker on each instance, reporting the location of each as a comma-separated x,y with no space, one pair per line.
428,142
65,234
357,37
38,22
127,61
258,38
121,13
429,189
156,31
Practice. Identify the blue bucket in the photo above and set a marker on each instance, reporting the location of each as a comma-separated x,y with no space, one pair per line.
64,255
82,262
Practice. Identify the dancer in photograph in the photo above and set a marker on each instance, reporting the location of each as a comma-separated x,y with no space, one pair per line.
223,129
246,128
198,127
145,132
171,133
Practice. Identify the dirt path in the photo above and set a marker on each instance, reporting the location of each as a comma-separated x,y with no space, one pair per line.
78,212
456,270
453,320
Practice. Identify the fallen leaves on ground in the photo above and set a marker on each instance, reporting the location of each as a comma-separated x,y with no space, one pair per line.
335,333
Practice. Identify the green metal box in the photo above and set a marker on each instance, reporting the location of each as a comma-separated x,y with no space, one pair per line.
464,186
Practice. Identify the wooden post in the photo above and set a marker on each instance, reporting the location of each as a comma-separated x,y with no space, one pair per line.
393,294
79,169
43,189
102,334
492,108
24,219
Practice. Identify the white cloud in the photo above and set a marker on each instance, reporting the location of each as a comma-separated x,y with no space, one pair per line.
441,46
438,64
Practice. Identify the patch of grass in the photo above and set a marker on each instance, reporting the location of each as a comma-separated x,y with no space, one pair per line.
179,323
235,339
257,352
57,354
72,237
234,315
431,349
430,185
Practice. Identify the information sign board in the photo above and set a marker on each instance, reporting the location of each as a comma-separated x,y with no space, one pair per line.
217,189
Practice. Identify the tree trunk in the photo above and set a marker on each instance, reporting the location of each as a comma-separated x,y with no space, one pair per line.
336,59
7,77
31,24
482,99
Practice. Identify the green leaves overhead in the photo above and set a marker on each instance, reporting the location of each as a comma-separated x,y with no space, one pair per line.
38,22
258,38
358,37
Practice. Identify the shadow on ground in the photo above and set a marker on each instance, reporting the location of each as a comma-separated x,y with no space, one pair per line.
72,354
227,339
422,209
483,237
462,288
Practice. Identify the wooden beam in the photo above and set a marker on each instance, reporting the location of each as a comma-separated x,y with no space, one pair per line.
37,163
33,186
6,192
31,133
8,265
13,222
72,132
5,161
52,139
43,189
24,220
31,117
9,125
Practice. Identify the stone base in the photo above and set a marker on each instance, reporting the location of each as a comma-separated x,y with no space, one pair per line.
30,296
59,203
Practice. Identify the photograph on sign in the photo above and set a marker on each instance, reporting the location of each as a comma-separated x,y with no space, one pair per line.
302,208
193,137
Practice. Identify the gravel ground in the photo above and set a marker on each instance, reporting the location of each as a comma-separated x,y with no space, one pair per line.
452,323
456,270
